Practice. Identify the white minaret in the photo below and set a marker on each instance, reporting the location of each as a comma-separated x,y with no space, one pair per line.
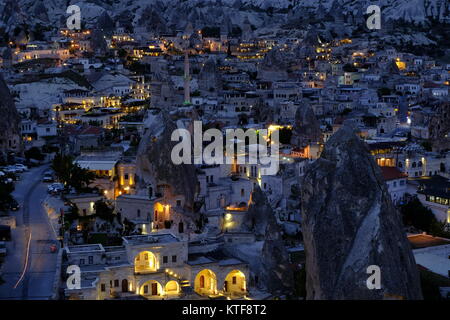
187,79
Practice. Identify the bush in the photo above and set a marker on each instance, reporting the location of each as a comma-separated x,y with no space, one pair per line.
415,214
34,153
104,211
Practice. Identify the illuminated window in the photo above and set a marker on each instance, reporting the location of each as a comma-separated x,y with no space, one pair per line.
202,281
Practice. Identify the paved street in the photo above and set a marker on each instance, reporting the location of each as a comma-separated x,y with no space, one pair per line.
29,268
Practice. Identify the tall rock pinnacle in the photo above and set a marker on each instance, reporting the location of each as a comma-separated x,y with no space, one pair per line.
154,160
272,263
349,223
307,128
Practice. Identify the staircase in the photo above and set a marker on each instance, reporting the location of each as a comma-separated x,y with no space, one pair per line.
186,287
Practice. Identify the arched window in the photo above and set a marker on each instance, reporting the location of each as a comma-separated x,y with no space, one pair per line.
202,281
414,165
145,261
420,164
400,165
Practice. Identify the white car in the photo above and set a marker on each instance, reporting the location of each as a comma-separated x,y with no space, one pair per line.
55,188
12,169
21,166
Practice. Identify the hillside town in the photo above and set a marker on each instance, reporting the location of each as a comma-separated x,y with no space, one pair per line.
87,180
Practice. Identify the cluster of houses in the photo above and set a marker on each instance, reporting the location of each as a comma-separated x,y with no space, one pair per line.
91,84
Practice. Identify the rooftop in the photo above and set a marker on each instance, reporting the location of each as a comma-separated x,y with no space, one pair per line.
424,241
392,173
217,256
434,259
85,248
150,239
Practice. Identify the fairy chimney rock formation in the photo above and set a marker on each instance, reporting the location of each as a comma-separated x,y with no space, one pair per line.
349,223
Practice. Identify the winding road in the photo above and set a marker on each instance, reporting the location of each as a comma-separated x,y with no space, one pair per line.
29,268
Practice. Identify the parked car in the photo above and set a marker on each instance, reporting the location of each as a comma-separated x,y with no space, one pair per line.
21,167
16,169
55,188
12,169
47,178
48,171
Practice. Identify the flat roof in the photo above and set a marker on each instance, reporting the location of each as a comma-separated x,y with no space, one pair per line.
434,258
150,239
85,248
96,164
133,196
418,241
392,173
217,256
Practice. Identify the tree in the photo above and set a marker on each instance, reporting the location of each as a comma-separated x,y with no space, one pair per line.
122,53
80,178
415,214
70,173
211,32
6,188
62,165
440,229
34,153
349,68
103,210
70,216
384,91
128,227
285,135
427,145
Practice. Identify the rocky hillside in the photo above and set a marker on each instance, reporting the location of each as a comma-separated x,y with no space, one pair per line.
23,18
349,223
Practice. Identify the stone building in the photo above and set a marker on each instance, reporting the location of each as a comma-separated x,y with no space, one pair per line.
158,266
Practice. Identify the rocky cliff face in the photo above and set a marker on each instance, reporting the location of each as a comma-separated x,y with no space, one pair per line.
272,264
306,128
350,223
9,118
154,160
